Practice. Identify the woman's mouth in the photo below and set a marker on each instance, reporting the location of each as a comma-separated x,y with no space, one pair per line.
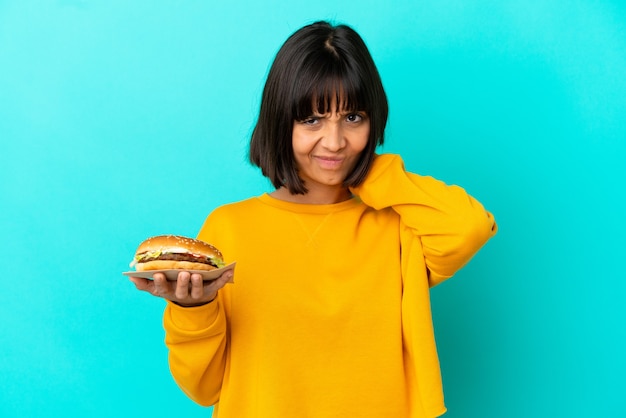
328,163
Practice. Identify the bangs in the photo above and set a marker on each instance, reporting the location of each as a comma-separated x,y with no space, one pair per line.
327,89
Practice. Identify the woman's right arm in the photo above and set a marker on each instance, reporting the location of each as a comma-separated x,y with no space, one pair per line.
196,339
195,326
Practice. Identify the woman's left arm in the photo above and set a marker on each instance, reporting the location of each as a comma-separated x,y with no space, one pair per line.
450,223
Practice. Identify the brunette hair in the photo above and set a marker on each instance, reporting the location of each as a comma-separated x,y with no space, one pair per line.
318,65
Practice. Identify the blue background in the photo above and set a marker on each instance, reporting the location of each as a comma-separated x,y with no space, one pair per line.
124,119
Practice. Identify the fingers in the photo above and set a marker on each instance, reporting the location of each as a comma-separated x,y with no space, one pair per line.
221,281
182,285
189,286
141,283
197,286
188,289
162,287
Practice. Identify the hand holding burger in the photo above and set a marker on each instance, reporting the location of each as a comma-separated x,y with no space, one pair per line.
166,252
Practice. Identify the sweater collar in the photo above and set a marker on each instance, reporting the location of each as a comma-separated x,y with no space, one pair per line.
306,208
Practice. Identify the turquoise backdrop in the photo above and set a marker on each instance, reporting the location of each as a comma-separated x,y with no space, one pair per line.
124,119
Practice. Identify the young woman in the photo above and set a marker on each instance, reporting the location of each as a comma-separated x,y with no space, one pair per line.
330,314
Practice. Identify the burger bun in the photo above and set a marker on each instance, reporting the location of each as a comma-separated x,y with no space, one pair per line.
172,265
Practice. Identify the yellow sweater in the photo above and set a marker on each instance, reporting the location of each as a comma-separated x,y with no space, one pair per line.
329,315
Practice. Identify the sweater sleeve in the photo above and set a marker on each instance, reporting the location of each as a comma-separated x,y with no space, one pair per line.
196,339
451,225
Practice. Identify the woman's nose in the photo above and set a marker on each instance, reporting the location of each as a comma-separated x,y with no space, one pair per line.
333,138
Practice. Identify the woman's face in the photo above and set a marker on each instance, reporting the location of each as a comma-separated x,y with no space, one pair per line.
327,146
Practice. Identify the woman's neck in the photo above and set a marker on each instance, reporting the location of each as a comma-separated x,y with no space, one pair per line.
324,196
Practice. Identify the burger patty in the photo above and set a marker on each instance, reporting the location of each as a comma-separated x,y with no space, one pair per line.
180,257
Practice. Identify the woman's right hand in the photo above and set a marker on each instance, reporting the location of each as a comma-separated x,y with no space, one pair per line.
188,290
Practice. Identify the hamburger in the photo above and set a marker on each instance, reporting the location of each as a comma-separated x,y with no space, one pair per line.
175,252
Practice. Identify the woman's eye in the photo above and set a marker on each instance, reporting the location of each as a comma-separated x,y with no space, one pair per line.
310,121
354,117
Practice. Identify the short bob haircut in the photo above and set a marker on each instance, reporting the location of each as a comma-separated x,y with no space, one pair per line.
318,65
